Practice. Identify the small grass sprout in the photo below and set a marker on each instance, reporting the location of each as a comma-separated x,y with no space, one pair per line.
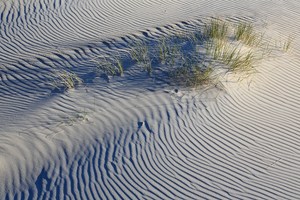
148,67
163,50
288,43
201,76
120,66
230,53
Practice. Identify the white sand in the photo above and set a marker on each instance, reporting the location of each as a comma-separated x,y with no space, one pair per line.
132,138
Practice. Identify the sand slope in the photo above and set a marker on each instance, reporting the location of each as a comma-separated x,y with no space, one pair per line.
135,138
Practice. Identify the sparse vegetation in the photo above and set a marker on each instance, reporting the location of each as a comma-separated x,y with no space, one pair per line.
192,57
236,51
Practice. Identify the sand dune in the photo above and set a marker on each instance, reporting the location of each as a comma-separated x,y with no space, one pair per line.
135,137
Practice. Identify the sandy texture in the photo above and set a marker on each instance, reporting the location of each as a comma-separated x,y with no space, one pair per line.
134,137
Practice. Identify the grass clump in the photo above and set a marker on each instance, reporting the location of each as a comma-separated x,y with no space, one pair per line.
167,52
191,76
215,48
245,32
232,55
64,80
216,29
191,73
140,54
243,63
110,66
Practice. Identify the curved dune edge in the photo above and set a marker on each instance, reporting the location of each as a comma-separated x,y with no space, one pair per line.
129,139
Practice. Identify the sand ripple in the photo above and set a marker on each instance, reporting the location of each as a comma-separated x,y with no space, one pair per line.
131,139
